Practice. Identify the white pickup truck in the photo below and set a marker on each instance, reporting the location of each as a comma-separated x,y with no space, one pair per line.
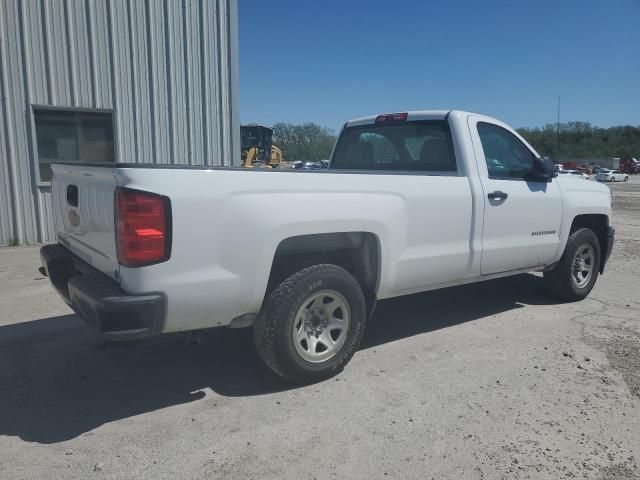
410,202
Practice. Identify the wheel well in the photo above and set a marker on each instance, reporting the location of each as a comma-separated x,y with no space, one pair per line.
356,252
599,224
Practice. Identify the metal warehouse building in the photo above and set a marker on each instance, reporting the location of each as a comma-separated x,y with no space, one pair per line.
151,81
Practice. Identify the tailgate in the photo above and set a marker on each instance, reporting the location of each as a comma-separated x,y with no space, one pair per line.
83,205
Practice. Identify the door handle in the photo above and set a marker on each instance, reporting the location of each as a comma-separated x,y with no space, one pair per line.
497,195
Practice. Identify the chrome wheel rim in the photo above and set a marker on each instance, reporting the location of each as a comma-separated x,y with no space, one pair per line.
583,265
321,325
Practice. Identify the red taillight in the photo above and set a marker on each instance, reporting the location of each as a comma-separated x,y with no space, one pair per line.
142,228
392,117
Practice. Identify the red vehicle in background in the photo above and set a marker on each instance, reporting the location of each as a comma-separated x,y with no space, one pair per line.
576,166
629,165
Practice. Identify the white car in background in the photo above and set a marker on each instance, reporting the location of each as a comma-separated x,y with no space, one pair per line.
612,176
574,173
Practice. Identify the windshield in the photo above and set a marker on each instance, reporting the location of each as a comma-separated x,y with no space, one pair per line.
412,146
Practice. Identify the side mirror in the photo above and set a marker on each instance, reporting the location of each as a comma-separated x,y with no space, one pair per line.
543,169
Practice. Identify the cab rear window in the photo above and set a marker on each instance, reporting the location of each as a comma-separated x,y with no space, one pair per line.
422,146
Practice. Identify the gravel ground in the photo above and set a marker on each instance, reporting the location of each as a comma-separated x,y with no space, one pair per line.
491,380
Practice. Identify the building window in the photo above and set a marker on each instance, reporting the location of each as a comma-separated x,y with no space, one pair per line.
72,136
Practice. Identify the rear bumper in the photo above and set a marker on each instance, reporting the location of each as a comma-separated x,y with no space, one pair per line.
99,300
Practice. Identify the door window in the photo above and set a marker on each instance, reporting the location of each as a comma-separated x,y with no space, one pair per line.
506,156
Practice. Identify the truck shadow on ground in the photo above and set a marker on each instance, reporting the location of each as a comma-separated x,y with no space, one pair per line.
56,383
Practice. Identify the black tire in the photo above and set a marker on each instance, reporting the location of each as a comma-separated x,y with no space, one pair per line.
560,281
626,179
273,329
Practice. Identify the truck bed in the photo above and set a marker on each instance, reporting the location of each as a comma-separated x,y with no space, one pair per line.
228,222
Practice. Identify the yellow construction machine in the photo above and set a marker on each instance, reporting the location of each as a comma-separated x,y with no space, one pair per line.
258,150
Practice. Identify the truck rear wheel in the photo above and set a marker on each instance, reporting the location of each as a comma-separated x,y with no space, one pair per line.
311,324
577,271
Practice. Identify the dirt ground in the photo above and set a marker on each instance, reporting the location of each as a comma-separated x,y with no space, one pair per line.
492,380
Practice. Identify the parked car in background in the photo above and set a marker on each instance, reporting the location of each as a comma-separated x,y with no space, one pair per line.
316,165
574,173
296,164
575,166
311,166
612,176
629,166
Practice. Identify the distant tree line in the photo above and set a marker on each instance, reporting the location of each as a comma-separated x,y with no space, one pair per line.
582,140
311,142
308,141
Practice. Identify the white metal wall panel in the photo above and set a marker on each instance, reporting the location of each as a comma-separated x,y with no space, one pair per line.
166,68
173,49
98,30
211,47
6,211
121,80
195,138
58,50
158,79
16,149
140,82
34,51
6,192
78,34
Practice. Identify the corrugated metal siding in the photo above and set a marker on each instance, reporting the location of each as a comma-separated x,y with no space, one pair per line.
167,69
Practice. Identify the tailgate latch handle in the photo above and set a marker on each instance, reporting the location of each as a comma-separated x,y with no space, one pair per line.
72,195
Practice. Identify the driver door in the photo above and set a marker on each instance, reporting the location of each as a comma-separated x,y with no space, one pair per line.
521,217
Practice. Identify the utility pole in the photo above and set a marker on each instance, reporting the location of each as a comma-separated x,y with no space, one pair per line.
558,133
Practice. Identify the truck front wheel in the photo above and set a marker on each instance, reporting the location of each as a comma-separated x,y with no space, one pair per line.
576,273
311,324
